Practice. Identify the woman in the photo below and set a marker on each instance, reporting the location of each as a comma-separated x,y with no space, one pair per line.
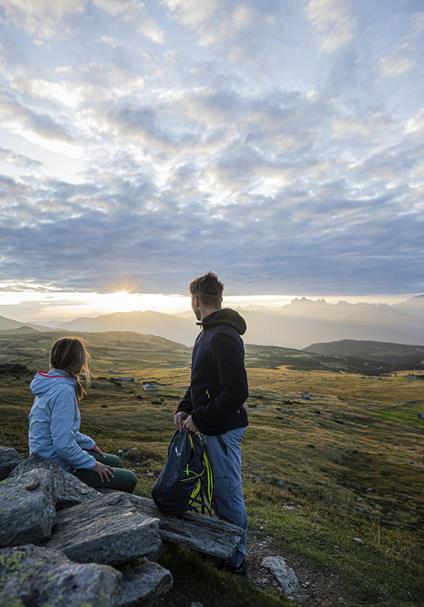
54,421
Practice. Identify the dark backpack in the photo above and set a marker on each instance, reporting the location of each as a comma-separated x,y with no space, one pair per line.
186,480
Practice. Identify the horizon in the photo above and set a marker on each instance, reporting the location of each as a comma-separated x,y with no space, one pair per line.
57,307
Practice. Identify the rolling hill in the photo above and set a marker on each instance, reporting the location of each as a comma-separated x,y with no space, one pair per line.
148,323
401,356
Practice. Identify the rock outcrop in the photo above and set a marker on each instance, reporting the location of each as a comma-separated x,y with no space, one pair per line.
97,547
31,575
9,458
107,530
68,489
37,576
27,508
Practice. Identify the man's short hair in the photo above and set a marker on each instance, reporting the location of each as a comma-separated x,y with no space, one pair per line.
208,289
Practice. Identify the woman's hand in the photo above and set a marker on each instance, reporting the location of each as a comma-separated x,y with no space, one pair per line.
103,471
97,450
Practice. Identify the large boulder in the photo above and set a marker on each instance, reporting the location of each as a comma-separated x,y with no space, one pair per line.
37,577
68,489
107,530
27,508
9,458
140,582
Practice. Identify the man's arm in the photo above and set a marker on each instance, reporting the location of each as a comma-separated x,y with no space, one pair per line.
228,354
185,405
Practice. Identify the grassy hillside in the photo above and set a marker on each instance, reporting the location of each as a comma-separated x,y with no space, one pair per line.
397,355
318,474
122,351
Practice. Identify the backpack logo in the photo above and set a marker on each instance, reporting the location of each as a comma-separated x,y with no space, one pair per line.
178,452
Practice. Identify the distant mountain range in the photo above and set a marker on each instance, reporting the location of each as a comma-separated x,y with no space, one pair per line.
295,325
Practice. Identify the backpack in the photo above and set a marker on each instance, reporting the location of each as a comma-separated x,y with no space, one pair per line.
186,480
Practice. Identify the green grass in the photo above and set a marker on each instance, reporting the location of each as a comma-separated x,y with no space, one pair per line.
351,460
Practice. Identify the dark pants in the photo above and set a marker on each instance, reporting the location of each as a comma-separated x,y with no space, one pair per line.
122,480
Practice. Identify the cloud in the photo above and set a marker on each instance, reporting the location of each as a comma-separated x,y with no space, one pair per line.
22,119
133,12
234,145
332,23
18,159
41,18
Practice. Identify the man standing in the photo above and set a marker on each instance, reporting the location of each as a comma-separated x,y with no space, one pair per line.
213,403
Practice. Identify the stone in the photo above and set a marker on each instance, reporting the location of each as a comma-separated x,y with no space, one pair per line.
9,458
358,540
27,507
285,575
156,401
107,530
206,534
420,415
68,490
140,582
37,577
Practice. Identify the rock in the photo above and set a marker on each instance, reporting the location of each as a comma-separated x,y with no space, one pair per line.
27,506
156,401
150,474
358,540
285,575
196,604
131,453
420,415
140,582
205,534
120,453
37,577
9,458
68,490
109,530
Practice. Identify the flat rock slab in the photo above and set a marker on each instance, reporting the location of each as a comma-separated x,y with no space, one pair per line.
27,508
37,577
206,534
140,582
108,529
67,488
9,458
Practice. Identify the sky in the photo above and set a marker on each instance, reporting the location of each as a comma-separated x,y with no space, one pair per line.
277,142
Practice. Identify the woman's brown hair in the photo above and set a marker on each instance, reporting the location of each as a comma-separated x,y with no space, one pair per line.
70,354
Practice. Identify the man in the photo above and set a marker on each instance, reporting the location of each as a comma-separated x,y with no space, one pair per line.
213,403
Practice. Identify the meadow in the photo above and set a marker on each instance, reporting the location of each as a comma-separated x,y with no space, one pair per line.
334,484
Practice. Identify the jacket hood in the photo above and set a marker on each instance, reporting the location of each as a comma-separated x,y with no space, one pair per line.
51,380
226,316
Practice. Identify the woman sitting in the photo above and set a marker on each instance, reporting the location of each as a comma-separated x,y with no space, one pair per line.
54,421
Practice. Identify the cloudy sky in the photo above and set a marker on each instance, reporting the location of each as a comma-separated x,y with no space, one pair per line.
278,142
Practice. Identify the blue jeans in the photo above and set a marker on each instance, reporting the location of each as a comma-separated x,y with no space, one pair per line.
228,490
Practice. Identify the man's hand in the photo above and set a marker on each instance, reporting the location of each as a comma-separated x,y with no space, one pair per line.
179,420
189,425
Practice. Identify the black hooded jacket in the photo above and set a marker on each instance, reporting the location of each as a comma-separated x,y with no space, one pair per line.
218,386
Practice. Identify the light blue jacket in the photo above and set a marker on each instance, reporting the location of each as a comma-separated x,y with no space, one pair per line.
54,422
